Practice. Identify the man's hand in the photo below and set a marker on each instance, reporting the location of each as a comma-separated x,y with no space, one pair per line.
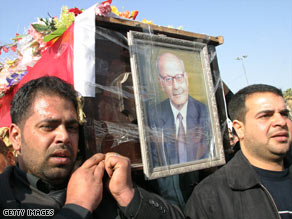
120,182
85,185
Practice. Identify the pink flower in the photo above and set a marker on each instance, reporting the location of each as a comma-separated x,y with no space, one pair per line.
17,36
104,8
5,49
13,48
37,37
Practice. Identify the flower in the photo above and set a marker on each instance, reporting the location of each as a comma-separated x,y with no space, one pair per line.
104,8
13,48
29,47
10,74
65,20
75,10
17,37
146,21
115,10
124,14
134,14
5,49
39,37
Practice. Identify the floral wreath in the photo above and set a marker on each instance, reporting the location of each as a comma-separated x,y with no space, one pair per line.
39,37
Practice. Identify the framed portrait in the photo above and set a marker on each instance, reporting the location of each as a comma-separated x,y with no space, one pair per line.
176,109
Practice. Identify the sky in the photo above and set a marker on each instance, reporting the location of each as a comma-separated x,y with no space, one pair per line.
258,29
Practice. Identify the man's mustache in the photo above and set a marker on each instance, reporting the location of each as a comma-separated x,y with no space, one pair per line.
62,149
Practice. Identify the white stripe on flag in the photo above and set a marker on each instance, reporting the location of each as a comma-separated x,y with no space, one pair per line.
84,53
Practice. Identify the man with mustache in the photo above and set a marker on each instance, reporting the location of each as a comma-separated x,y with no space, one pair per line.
46,121
182,125
257,181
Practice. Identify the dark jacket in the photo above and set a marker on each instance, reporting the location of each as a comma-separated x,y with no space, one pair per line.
161,122
144,204
233,191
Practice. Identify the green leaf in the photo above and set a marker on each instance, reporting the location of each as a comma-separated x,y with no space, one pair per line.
40,27
54,34
18,37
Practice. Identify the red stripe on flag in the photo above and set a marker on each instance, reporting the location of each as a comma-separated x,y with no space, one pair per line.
57,61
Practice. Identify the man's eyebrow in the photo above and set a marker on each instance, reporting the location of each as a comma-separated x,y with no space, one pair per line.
286,111
70,121
50,120
265,111
272,111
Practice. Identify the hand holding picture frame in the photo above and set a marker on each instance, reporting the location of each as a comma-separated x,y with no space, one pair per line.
176,108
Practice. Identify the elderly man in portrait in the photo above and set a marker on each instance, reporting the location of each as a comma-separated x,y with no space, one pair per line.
180,122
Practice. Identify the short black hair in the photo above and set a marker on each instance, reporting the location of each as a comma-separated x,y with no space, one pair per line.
236,106
23,99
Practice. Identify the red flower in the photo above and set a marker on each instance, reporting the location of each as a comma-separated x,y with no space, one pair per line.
5,49
75,10
134,14
106,2
13,48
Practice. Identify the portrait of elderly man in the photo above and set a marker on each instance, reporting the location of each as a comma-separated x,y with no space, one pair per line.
180,124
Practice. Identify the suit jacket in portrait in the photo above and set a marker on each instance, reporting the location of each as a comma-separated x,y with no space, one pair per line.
163,133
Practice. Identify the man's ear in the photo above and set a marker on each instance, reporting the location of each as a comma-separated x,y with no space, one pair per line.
15,137
239,128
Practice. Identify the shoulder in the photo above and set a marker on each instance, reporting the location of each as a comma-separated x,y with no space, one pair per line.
162,108
226,178
210,196
207,196
5,175
215,181
6,188
164,104
195,103
197,110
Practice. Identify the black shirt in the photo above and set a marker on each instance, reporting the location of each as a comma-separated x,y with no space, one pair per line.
279,184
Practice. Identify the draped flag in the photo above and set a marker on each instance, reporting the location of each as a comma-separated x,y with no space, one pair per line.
70,57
